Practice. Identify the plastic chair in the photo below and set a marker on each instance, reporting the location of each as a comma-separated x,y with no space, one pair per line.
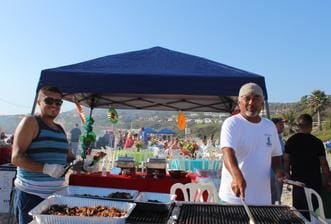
309,192
193,192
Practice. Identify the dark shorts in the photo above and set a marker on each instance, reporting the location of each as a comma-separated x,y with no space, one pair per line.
23,203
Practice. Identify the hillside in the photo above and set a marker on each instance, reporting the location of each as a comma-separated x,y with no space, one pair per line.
127,119
199,123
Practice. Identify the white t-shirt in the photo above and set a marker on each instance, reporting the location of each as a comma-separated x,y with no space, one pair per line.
254,145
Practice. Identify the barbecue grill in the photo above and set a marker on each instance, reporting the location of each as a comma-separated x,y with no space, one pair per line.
235,214
189,213
142,214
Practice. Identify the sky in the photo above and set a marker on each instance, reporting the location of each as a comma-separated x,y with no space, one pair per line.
288,42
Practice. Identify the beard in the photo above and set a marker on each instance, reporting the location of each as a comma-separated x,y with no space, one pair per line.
252,113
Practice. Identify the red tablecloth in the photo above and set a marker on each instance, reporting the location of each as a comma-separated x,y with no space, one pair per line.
138,182
5,154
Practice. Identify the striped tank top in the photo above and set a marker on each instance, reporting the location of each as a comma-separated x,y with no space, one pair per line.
50,146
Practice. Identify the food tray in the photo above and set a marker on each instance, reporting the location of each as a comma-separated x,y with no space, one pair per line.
40,218
147,200
95,192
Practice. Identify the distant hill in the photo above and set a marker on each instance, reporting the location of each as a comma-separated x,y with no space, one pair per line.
8,123
132,118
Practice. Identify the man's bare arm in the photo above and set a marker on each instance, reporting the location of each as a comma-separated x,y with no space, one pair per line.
238,182
325,171
276,163
287,159
25,132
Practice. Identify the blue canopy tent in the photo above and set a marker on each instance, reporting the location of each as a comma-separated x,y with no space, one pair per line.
150,131
166,131
151,79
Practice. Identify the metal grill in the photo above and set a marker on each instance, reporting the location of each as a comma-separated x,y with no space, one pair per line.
233,214
144,213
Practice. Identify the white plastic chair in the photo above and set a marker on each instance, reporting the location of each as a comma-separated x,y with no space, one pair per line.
192,192
309,192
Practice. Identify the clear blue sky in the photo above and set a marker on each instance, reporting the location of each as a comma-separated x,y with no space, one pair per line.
288,42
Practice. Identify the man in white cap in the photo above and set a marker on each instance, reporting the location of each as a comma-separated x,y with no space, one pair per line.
250,147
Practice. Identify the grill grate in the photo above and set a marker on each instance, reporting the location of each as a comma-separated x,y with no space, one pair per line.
143,213
233,214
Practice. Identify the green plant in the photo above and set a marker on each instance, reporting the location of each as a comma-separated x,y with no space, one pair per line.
139,144
324,135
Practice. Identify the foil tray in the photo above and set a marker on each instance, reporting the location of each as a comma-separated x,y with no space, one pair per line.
155,201
40,218
95,192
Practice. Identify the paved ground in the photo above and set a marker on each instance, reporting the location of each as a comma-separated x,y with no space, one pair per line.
287,196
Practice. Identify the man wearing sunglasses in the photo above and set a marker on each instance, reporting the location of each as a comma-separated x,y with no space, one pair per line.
40,152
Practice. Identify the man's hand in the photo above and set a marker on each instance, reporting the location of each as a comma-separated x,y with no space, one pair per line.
282,175
53,170
80,164
238,185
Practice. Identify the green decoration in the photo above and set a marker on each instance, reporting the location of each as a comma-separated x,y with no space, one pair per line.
88,138
112,115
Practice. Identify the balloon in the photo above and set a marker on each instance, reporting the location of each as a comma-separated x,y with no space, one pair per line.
181,123
80,111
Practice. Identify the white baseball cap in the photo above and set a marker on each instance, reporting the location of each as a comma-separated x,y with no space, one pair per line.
250,88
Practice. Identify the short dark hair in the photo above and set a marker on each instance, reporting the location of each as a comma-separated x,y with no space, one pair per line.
305,121
50,89
276,120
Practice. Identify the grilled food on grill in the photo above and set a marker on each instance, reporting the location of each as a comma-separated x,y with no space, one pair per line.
100,211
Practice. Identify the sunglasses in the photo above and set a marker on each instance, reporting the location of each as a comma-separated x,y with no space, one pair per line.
50,101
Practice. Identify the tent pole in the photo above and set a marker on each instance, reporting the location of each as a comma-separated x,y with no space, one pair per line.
267,108
34,104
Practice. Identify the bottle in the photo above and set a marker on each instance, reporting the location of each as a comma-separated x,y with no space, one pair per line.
103,169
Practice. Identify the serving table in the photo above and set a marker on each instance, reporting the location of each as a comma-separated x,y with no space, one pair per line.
5,154
139,182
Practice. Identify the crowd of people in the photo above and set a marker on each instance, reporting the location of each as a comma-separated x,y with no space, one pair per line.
256,158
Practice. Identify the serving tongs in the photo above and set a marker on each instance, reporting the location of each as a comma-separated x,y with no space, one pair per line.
74,164
250,216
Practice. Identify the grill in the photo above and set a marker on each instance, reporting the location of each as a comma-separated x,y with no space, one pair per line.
144,213
233,214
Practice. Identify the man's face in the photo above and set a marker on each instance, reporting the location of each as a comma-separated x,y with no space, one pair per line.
280,126
50,103
250,105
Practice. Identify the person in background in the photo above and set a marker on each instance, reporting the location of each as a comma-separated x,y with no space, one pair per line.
305,158
74,139
40,152
3,136
250,148
111,142
143,136
129,141
277,186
